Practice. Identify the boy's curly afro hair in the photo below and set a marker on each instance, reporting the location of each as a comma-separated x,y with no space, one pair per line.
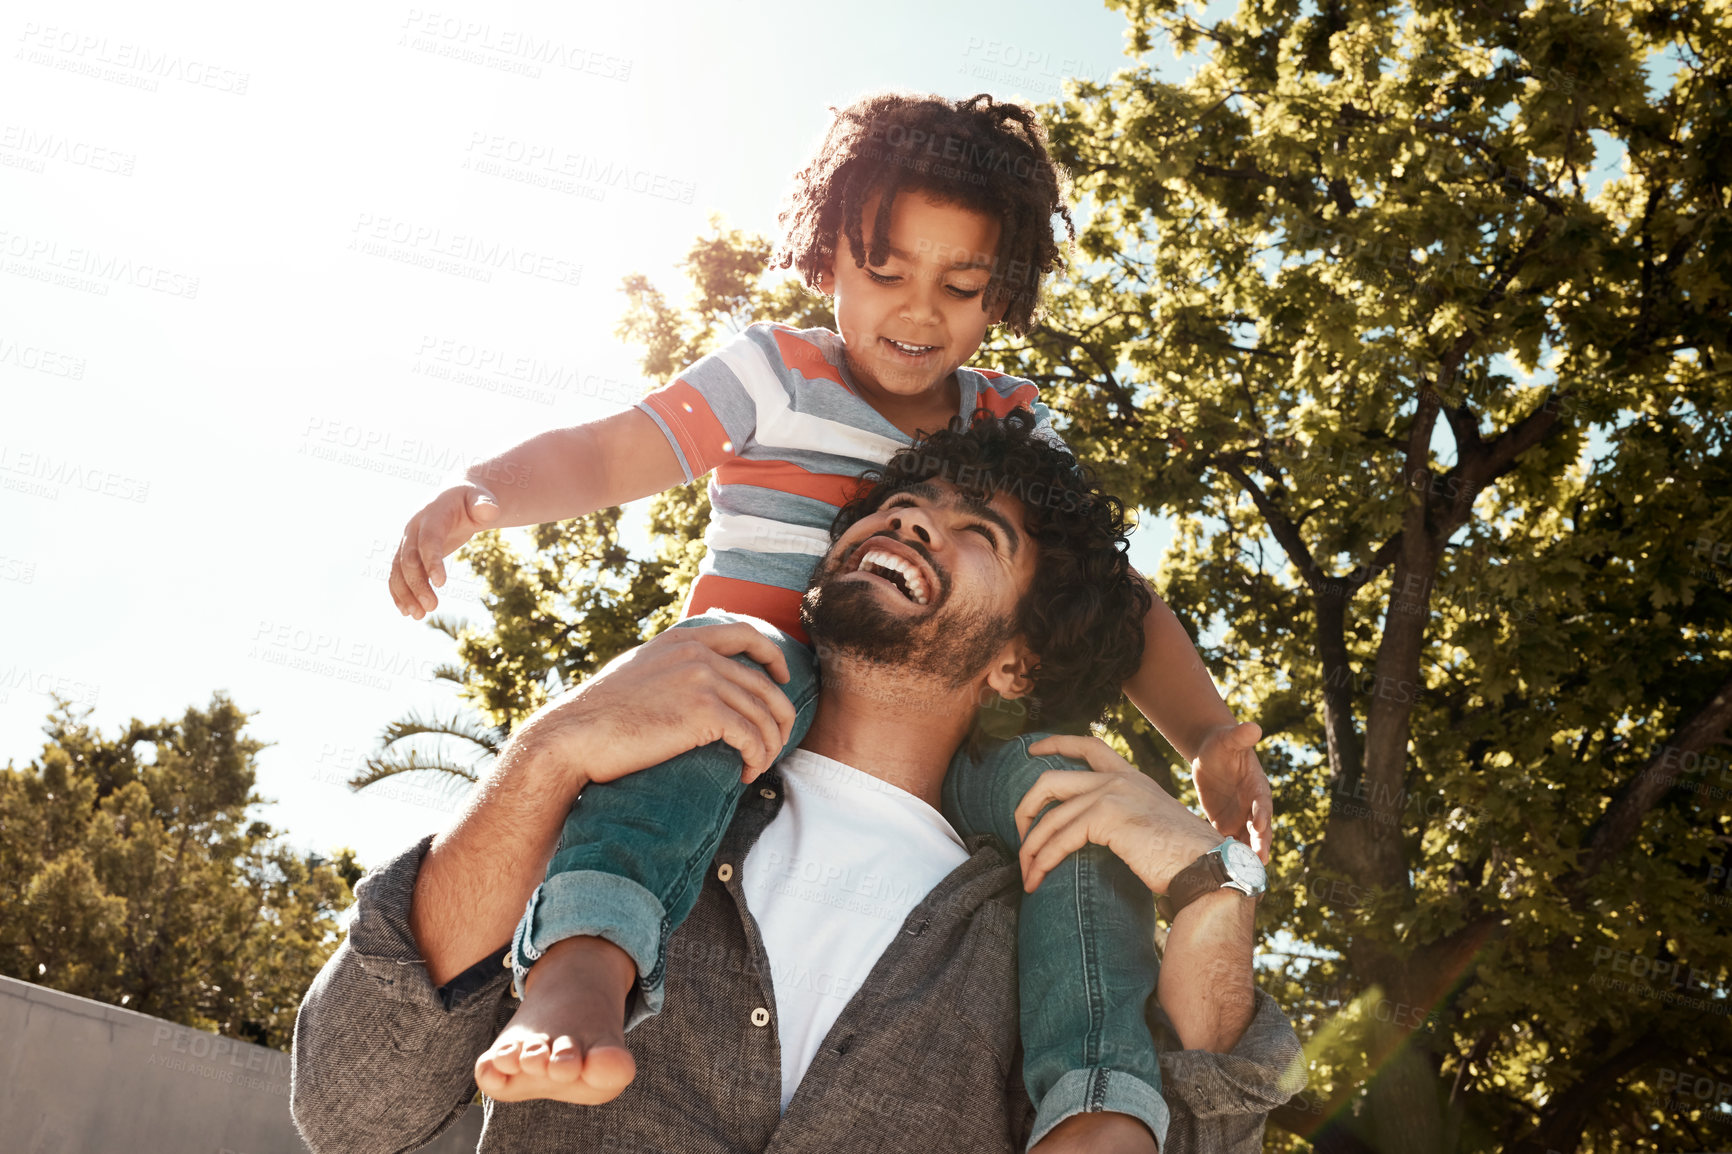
979,153
1083,612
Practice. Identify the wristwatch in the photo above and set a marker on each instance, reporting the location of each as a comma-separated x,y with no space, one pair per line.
1230,865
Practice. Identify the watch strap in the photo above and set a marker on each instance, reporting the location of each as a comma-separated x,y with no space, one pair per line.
1205,875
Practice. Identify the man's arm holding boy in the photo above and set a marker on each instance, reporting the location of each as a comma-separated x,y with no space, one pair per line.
384,1057
1230,1055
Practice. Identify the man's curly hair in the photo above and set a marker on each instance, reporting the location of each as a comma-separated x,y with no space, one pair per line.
979,153
1083,612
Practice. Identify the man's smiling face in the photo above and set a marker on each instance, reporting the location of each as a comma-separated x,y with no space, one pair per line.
930,582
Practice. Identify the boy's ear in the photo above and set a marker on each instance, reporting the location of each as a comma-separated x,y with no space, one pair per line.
1008,675
995,311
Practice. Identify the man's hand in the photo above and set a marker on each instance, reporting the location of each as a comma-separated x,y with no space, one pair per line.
1232,786
432,535
676,692
1115,806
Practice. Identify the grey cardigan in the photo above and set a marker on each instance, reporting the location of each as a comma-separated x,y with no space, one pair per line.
924,1056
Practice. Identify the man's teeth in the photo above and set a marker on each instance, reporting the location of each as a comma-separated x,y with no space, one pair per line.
911,577
915,350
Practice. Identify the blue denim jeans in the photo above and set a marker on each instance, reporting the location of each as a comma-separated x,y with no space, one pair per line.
634,852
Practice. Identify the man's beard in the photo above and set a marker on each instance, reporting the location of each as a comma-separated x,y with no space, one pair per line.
950,647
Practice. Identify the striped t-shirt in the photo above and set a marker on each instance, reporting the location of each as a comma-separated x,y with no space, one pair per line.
774,415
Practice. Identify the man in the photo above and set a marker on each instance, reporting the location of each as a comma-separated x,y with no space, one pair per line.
916,1047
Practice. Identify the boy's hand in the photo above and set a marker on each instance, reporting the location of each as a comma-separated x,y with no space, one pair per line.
1232,786
432,535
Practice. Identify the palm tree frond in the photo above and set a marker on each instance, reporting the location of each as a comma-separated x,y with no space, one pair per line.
391,765
468,727
448,625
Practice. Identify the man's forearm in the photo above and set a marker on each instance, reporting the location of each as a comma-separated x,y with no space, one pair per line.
478,875
1206,983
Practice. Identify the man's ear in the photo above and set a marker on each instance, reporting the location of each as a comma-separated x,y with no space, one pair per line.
1008,675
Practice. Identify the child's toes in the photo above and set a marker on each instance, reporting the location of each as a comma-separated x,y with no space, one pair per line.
490,1081
609,1070
565,1062
532,1057
503,1058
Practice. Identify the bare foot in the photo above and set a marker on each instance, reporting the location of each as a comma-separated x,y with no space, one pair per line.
567,1039
1104,1132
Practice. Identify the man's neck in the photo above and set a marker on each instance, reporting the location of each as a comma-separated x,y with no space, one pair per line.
901,730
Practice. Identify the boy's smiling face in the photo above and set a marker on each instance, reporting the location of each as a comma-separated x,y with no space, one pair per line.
910,322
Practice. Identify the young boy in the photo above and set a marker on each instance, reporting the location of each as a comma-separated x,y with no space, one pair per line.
926,220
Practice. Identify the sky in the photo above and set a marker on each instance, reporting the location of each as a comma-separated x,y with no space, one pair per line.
269,282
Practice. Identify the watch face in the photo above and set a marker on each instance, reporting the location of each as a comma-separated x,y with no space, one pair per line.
1243,865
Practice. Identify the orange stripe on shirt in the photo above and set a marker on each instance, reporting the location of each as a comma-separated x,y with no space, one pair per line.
780,607
999,405
703,440
804,358
787,477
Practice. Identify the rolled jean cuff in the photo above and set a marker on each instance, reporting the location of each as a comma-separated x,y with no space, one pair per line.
1097,1091
589,903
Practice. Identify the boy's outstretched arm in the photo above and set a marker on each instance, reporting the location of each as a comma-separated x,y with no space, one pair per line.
554,476
1173,689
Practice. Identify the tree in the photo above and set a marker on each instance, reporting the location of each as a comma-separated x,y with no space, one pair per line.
1443,420
130,873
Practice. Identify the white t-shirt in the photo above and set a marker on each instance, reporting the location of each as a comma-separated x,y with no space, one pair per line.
830,882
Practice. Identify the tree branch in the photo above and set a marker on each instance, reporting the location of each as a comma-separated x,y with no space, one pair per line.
1280,525
1623,818
1565,1114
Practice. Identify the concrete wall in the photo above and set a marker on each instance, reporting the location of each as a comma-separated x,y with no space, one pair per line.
81,1077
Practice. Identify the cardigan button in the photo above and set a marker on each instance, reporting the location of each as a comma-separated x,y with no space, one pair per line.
760,1017
724,871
